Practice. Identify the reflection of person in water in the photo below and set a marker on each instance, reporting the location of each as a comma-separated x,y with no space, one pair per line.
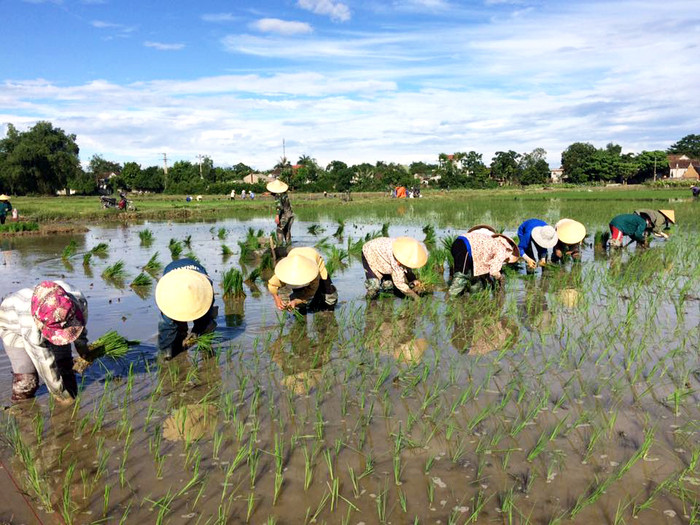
193,388
301,355
534,308
393,334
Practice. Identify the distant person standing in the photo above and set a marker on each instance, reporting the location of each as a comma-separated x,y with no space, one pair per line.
242,195
284,215
5,207
233,195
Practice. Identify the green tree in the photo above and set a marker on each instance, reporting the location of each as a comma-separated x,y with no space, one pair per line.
534,168
651,162
82,183
150,179
130,174
340,174
575,161
477,174
40,160
688,145
505,166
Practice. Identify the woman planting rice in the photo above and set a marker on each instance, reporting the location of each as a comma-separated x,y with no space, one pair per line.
479,255
660,220
570,234
389,262
284,216
37,327
183,294
636,227
535,238
304,271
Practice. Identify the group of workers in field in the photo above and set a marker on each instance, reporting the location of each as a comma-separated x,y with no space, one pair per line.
38,325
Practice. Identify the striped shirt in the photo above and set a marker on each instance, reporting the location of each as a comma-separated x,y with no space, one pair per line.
18,330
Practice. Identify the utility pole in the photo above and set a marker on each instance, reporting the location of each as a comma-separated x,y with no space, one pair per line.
200,157
165,170
654,169
284,152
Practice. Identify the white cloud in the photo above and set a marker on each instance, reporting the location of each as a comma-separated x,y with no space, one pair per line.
118,29
219,17
282,27
337,11
164,47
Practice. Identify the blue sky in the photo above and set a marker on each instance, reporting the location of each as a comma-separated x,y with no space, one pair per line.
350,80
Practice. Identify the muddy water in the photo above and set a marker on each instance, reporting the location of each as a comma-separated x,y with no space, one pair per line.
533,405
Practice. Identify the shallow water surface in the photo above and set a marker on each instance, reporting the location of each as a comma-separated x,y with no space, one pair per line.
572,396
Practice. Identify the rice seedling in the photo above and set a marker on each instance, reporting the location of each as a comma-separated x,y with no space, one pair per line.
115,272
100,250
141,280
87,258
70,249
153,266
146,236
340,229
175,248
315,229
191,255
187,241
226,251
232,283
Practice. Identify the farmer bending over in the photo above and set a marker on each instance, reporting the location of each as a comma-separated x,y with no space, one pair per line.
660,220
570,234
5,207
636,227
284,216
183,294
304,271
389,263
479,255
37,327
535,238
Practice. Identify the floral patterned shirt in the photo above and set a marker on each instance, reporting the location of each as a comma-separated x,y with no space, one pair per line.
488,253
380,258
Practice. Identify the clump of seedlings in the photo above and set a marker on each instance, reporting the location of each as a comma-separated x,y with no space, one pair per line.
70,249
222,233
146,237
110,345
115,272
100,250
153,266
340,229
315,229
141,280
226,251
175,248
232,283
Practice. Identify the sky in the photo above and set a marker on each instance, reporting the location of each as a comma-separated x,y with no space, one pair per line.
350,80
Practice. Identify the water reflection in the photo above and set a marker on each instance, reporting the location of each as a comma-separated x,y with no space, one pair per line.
392,331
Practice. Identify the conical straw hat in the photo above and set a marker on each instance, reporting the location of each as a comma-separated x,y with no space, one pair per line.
409,252
184,295
481,227
296,270
669,214
4,197
277,186
570,231
544,236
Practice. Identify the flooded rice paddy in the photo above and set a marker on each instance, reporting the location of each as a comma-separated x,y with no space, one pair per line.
572,397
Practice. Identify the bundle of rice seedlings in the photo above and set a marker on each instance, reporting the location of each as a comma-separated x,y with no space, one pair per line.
175,248
447,241
146,236
192,255
429,231
323,245
87,258
153,266
70,250
315,229
205,342
601,239
115,272
100,250
142,279
222,233
188,241
266,261
232,283
336,259
341,228
254,275
226,251
355,248
110,345
385,229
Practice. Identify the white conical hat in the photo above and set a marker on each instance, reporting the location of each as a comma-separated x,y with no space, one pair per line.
544,236
296,270
277,186
184,295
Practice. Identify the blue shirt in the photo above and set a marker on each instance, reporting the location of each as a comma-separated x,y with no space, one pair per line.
525,237
168,328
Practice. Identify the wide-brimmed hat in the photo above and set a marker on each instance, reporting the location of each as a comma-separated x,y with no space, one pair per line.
409,252
296,270
4,197
570,231
669,214
544,236
184,295
511,243
56,314
481,227
277,186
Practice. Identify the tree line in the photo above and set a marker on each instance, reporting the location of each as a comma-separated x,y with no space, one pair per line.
45,159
